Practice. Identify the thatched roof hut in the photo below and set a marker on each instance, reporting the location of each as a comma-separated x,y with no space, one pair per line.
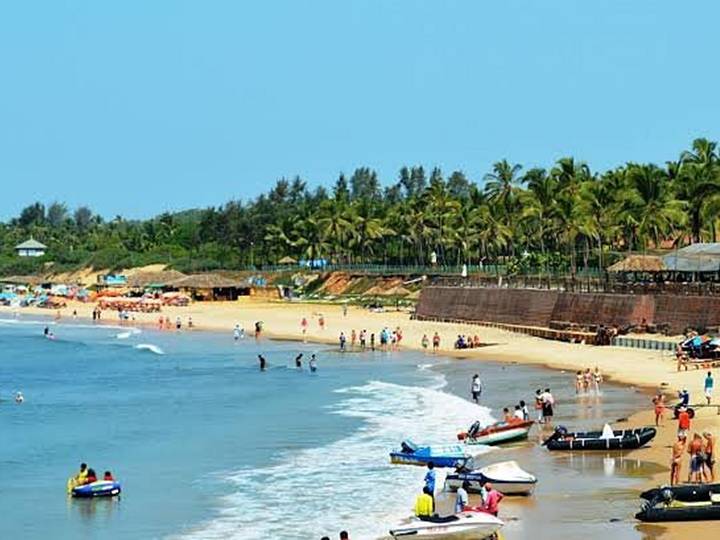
639,263
287,260
24,280
205,281
160,278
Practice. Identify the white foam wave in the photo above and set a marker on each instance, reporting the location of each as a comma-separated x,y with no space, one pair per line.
24,322
149,347
349,484
123,335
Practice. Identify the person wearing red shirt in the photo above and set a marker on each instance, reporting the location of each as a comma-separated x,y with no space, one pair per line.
108,477
683,423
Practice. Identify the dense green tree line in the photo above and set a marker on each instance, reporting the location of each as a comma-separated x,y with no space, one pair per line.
564,217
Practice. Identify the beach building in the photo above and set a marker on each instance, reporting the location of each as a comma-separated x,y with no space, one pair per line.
696,262
210,287
31,248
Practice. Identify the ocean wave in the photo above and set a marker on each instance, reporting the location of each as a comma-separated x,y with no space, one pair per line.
123,335
149,347
349,484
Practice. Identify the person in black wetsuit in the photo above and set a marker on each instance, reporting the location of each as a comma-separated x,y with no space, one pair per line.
298,361
262,361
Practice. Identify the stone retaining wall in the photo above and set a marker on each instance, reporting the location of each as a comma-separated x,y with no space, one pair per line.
530,307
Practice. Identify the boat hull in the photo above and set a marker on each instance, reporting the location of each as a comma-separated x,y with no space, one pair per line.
455,481
711,512
97,489
684,493
400,458
467,525
629,439
499,433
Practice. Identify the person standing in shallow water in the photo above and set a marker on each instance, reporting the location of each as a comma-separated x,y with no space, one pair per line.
262,361
476,388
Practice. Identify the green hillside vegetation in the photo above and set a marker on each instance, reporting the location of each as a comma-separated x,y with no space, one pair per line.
563,218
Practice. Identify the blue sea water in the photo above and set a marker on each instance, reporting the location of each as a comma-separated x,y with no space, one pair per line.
207,446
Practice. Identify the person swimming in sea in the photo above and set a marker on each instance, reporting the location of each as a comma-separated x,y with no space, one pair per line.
262,361
298,361
19,398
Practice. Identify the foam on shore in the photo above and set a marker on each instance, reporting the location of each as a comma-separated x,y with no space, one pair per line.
349,484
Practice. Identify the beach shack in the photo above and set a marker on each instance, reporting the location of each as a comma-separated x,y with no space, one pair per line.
210,287
31,248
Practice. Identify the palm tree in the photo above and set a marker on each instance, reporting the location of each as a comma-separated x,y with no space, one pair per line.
698,181
500,185
650,200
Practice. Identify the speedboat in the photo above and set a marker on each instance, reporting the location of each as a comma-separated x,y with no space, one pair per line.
607,439
462,525
101,488
681,503
453,455
500,432
507,477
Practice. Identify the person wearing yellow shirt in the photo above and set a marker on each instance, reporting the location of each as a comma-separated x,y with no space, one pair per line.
424,504
79,479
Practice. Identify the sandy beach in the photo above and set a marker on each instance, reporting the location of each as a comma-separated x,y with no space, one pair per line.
648,371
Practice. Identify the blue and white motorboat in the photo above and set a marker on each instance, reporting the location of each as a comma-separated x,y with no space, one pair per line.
101,488
453,455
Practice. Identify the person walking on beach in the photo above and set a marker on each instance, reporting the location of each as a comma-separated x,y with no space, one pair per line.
342,340
321,321
363,337
425,342
262,361
678,449
258,329
659,404
304,326
708,450
353,339
697,460
344,310
476,388
372,342
178,323
436,342
683,422
709,384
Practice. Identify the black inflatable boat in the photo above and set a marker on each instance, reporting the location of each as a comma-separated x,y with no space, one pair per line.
681,503
683,492
626,439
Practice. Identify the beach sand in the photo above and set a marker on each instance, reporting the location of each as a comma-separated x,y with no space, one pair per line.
647,370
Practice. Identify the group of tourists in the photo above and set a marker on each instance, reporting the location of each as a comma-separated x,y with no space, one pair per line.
425,342
425,507
87,475
587,381
165,323
700,449
467,342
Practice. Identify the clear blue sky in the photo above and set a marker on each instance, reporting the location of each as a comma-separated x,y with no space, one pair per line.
136,107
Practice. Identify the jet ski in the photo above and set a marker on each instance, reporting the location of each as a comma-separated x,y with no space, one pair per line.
461,525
